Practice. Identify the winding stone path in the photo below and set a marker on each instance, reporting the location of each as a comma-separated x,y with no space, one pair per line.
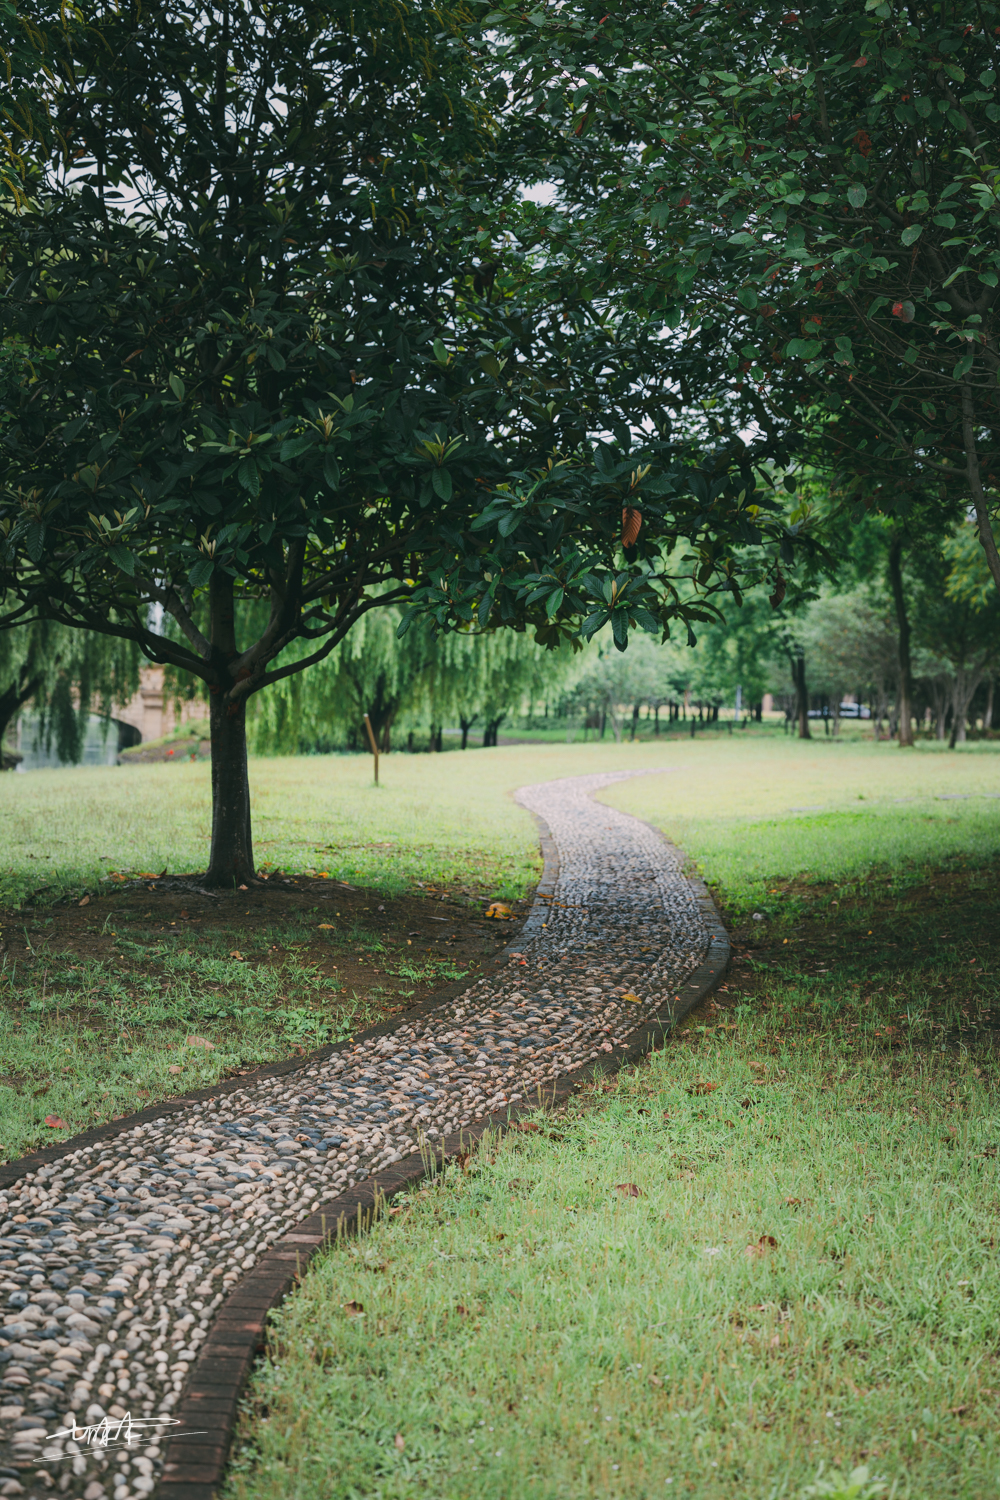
115,1259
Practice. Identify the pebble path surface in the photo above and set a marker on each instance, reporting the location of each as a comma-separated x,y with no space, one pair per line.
115,1259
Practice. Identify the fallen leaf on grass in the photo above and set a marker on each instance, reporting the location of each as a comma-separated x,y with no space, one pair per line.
54,1122
237,955
199,1041
84,902
702,1086
764,1244
655,1380
793,1202
353,1309
326,927
628,1190
399,1442
523,1125
500,912
463,1312
175,1069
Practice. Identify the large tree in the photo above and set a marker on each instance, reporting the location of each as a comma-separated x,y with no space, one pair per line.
291,338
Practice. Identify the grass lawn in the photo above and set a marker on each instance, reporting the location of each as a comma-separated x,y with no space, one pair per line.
806,1283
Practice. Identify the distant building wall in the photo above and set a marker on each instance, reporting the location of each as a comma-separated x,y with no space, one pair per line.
154,713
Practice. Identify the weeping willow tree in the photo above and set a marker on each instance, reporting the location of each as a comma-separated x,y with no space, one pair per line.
423,678
370,672
477,680
63,675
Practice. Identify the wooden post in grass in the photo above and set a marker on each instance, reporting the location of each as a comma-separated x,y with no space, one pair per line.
371,741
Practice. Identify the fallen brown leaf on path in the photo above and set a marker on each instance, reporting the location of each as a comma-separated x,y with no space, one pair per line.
702,1086
632,999
628,1190
84,902
500,912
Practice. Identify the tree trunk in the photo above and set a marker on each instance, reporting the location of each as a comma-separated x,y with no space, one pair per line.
491,730
979,500
466,726
801,695
905,704
988,710
965,685
13,700
231,861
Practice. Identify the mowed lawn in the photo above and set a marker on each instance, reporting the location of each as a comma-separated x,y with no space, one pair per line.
756,1266
450,818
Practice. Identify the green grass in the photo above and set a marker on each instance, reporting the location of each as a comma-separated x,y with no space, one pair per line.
84,1039
453,822
531,1331
752,813
62,831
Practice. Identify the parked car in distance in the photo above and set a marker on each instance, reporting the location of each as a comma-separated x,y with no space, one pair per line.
847,711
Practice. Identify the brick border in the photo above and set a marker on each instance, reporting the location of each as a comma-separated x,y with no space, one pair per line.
195,1465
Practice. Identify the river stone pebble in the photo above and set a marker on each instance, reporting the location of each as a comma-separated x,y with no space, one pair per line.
115,1259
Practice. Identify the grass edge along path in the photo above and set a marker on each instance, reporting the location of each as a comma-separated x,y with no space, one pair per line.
722,1278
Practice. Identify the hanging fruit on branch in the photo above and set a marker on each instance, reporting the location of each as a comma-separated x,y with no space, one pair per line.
631,521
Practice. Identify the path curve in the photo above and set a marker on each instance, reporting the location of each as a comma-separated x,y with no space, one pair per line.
133,1259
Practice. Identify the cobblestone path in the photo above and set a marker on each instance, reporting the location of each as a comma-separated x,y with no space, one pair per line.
115,1259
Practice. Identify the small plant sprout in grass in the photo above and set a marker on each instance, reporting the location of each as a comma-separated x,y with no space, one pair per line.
858,1485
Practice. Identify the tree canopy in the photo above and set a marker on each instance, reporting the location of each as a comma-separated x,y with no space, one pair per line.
289,335
816,194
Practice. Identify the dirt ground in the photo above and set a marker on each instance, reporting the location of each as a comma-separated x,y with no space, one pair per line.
337,928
